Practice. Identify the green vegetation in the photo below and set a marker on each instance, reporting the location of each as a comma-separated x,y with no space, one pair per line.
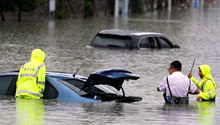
86,8
19,6
137,6
89,8
25,6
61,11
42,2
6,6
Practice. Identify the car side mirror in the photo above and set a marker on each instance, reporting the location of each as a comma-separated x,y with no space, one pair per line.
176,46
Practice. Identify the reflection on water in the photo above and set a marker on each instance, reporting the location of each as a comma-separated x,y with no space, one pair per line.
195,30
51,26
29,111
174,113
93,108
206,111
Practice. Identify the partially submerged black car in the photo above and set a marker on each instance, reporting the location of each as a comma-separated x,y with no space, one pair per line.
116,38
98,87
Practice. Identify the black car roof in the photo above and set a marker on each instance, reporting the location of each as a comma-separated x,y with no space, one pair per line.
120,32
54,74
63,75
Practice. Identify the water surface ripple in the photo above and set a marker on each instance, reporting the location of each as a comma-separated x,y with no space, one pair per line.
195,30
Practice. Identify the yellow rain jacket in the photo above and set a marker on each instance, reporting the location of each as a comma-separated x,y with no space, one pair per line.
31,78
207,85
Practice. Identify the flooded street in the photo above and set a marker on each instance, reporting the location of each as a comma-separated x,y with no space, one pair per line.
65,42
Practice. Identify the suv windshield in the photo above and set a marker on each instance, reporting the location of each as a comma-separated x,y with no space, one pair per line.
112,41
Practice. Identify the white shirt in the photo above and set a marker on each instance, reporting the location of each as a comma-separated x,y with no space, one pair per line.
179,85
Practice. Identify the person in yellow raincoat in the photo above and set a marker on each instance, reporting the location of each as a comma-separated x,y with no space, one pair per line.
31,78
207,84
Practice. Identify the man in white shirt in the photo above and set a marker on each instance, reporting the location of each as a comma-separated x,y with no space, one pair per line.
177,86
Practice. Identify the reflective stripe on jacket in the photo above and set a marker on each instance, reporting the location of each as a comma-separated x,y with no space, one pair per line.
31,78
207,85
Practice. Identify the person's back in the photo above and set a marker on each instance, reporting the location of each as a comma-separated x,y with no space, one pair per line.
179,84
176,85
31,78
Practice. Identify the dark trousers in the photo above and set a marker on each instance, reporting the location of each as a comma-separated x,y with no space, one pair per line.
175,100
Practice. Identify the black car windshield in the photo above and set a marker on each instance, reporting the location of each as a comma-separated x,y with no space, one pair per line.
112,41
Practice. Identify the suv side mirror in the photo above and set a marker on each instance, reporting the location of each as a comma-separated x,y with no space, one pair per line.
176,46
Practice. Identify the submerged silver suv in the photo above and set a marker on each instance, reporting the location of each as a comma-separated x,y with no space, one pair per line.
116,38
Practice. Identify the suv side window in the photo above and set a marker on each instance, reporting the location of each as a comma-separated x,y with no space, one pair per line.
164,43
5,82
144,43
148,42
111,41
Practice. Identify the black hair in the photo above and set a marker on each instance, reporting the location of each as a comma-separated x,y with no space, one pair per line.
176,65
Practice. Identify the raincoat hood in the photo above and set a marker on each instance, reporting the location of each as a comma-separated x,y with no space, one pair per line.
206,71
37,55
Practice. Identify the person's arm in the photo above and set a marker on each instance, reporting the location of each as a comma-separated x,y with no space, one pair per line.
162,86
193,79
197,91
17,83
41,80
193,89
209,92
158,89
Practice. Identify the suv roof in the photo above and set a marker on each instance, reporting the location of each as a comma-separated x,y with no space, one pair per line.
126,32
129,39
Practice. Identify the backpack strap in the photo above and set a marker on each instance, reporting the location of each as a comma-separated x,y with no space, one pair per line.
169,87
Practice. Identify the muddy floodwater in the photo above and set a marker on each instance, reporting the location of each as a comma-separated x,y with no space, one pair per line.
196,30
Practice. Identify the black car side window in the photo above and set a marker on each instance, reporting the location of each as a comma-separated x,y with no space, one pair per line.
153,42
149,42
5,82
164,43
144,43
112,41
50,91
